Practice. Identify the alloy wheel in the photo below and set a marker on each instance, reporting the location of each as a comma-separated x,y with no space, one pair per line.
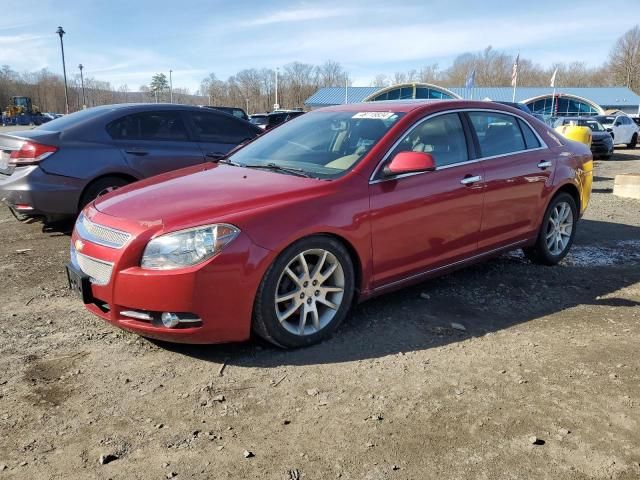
309,292
559,228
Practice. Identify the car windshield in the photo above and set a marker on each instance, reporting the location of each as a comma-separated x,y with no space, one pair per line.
320,144
70,120
259,120
606,119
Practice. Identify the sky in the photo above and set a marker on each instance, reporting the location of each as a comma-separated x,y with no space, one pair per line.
126,42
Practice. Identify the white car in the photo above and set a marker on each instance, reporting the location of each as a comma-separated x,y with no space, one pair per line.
624,130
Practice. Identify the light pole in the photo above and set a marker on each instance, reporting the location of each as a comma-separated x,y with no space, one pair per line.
61,32
276,105
170,87
84,99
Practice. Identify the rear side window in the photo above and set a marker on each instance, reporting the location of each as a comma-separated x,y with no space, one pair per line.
529,137
497,133
167,126
214,128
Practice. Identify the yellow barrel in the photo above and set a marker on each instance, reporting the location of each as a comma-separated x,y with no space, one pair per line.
575,133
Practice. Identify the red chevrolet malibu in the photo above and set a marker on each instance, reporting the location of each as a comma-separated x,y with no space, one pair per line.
284,235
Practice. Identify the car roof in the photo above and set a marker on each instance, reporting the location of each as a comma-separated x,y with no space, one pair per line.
406,106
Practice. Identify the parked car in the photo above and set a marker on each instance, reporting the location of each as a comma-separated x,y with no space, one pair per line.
267,121
343,204
235,111
601,139
56,169
524,107
623,129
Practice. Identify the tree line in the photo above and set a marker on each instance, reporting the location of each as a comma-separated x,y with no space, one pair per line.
255,89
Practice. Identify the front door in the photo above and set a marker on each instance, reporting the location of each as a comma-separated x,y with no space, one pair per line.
425,221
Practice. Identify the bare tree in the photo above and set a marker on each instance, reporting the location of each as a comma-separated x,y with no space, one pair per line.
624,59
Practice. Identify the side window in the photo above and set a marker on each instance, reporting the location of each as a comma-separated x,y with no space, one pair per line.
219,128
529,137
497,133
167,126
441,136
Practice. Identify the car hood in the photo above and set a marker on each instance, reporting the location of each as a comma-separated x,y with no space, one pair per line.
203,194
599,135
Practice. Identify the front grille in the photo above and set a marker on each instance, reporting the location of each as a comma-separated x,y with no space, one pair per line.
105,236
99,271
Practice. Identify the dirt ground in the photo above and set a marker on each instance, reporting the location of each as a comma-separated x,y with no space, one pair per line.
398,393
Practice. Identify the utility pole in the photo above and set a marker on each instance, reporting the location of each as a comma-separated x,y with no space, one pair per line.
170,87
276,105
61,32
84,99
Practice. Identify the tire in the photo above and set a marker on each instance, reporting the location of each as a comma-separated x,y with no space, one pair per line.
279,321
542,253
634,141
100,187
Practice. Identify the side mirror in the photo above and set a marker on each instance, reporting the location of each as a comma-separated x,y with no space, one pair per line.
410,162
617,124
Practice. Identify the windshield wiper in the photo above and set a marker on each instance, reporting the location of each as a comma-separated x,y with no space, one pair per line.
273,166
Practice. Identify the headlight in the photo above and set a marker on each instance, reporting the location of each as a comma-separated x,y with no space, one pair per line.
187,247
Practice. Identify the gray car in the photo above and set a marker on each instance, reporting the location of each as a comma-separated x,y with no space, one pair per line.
56,169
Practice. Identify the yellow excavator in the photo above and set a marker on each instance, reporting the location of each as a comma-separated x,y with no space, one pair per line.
21,111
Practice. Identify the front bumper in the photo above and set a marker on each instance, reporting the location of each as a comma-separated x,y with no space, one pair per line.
32,191
220,291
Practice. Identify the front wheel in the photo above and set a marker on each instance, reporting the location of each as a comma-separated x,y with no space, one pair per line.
305,294
556,233
634,141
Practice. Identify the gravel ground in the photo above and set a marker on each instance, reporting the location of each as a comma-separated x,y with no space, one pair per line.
538,378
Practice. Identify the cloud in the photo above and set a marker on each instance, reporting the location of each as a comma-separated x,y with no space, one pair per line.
300,15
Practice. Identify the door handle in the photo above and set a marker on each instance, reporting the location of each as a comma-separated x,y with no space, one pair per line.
544,164
214,155
468,180
135,151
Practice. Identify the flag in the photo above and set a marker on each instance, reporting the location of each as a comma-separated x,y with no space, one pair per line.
471,79
553,78
514,75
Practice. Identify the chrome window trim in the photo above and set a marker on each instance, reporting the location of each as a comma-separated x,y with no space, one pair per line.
373,179
86,235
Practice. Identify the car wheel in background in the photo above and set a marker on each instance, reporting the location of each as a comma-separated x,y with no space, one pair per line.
556,233
100,187
634,141
305,293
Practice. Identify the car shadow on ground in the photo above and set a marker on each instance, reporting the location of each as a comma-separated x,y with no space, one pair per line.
628,156
479,300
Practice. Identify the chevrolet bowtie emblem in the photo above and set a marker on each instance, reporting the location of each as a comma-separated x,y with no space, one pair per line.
79,244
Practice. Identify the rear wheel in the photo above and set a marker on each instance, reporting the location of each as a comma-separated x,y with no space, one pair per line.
100,187
305,294
634,141
556,233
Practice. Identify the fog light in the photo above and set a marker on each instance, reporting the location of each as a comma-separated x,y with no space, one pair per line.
169,320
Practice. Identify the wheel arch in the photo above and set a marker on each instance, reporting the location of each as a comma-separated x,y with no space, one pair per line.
572,190
123,176
358,271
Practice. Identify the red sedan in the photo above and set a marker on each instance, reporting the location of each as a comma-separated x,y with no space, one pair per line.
284,235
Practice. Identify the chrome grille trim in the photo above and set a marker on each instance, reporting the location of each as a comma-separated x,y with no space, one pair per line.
98,270
101,235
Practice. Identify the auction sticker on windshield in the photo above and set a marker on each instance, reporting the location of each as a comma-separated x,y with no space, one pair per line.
374,115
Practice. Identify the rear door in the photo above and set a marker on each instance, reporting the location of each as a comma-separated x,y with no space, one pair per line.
155,142
517,166
218,133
